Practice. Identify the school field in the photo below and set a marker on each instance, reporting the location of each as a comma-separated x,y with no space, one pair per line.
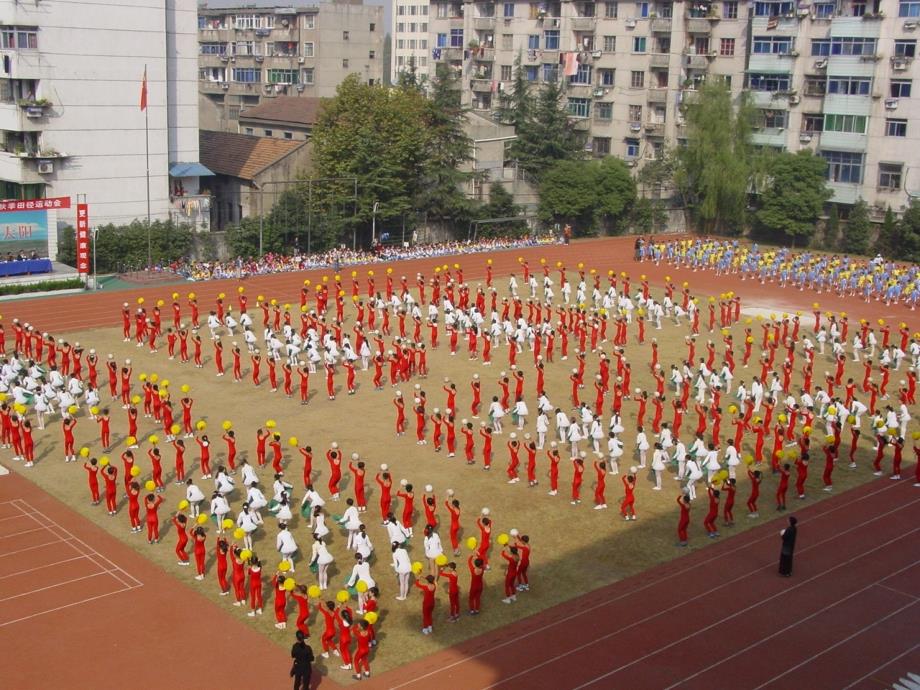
576,550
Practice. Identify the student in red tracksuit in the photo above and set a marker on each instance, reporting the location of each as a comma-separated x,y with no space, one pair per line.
151,503
510,554
728,514
134,507
449,573
220,553
364,636
755,493
477,572
198,536
110,477
92,476
181,523
684,522
280,602
709,522
628,507
453,507
386,486
238,577
328,640
255,587
359,473
522,543
428,590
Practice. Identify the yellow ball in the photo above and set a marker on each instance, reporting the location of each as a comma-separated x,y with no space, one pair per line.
73,409
183,504
227,523
314,592
202,518
185,388
201,425
150,485
342,596
270,424
441,560
175,429
154,439
371,617
84,452
136,399
503,539
135,471
289,584
292,441
245,554
130,441
239,533
361,586
94,410
471,543
227,425
103,461
417,567
284,566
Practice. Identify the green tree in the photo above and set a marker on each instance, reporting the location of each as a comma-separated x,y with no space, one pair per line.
832,227
909,234
441,192
888,237
713,171
515,104
379,136
547,135
501,205
859,227
647,215
794,196
122,248
587,194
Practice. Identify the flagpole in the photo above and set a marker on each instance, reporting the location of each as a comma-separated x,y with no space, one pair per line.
147,153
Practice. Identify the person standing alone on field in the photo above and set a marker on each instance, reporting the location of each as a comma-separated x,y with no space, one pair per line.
788,548
302,667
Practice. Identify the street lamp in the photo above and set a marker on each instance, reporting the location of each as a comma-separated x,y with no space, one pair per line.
374,225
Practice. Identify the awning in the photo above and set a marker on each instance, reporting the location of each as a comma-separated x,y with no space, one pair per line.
189,170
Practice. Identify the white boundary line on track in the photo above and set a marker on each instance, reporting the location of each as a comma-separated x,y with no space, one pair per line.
41,567
878,668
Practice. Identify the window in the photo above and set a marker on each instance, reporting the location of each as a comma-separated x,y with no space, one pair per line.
509,9
729,10
824,10
246,21
247,75
773,9
583,75
632,148
727,47
638,44
895,128
288,135
401,11
507,42
610,10
266,132
309,21
424,10
769,82
773,119
441,41
776,45
635,113
282,76
852,124
244,48
858,9
307,75
605,77
372,27
812,123
842,45
815,86
579,107
533,42
603,111
905,48
371,54
610,44
202,22
506,72
642,9
900,88
536,11
844,166
551,39
889,175
820,46
601,146
588,9
423,28
637,80
849,86
909,9
213,48
587,41
344,35
531,72
345,63
283,48
309,49
456,38
400,28
249,131
550,71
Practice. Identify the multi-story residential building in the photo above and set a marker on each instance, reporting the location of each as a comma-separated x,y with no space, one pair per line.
835,76
255,51
70,116
409,37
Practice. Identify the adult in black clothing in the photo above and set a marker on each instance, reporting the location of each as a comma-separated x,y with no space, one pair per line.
302,654
787,549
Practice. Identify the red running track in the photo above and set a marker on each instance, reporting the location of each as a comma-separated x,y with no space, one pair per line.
722,616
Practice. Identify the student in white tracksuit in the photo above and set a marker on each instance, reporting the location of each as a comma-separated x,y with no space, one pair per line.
642,447
542,429
694,474
322,558
658,466
351,521
403,567
285,544
615,452
361,572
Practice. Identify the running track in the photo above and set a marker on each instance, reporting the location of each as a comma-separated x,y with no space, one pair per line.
717,617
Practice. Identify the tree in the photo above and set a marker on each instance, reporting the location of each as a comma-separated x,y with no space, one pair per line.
909,234
122,248
515,104
546,135
832,227
794,196
586,193
441,195
713,171
859,226
888,237
647,215
379,136
501,205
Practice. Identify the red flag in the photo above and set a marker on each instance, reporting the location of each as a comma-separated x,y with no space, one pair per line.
144,91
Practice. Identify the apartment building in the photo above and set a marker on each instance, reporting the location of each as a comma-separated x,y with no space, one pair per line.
834,76
251,52
409,37
70,116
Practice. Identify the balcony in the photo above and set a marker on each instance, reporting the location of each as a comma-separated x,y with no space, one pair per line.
654,129
481,85
785,26
580,90
851,105
452,53
193,209
21,65
18,169
774,100
659,60
213,35
772,137
660,25
484,23
697,61
658,95
24,116
844,192
212,60
482,54
844,141
583,23
695,25
209,86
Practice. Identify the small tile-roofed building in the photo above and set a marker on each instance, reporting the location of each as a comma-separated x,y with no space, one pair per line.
286,117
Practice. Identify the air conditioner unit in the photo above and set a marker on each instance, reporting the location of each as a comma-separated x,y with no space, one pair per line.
891,103
630,23
259,58
224,58
285,22
910,26
598,92
596,54
872,57
300,87
233,58
713,53
631,164
805,137
300,60
820,64
45,167
635,126
554,23
793,53
268,88
803,12
225,86
793,100
899,65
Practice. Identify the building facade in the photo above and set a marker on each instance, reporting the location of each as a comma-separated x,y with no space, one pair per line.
410,38
249,53
70,116
834,76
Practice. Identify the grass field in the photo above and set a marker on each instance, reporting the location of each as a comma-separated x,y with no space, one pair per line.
575,549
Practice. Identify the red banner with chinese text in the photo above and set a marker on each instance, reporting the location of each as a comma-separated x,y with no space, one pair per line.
83,239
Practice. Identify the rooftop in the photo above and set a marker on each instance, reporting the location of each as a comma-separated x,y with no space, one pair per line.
297,110
242,155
